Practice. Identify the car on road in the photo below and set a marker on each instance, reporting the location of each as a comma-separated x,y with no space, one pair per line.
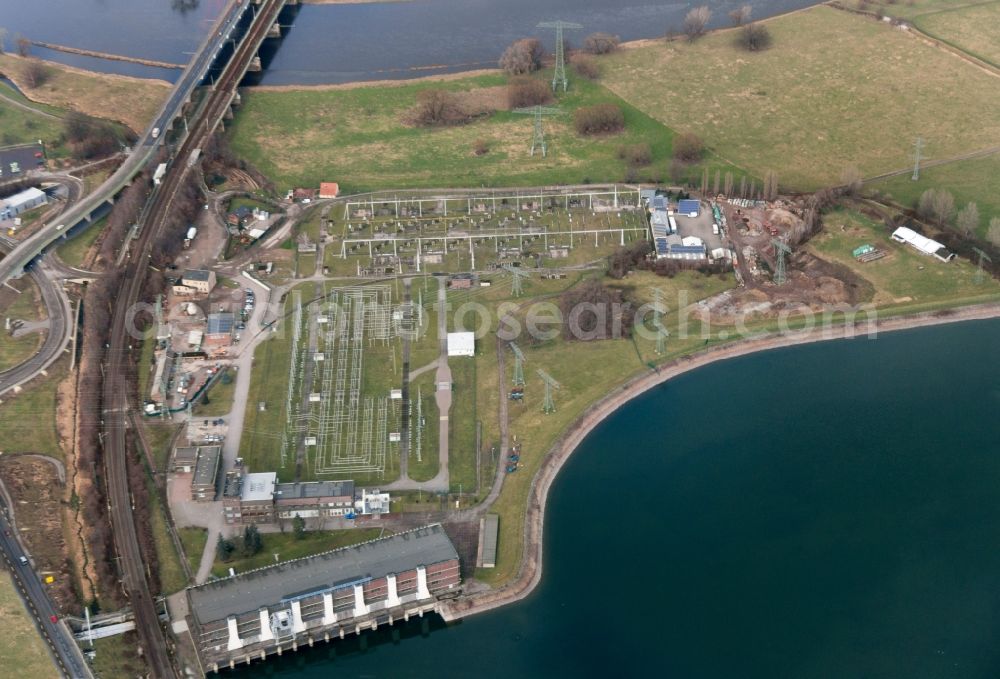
24,561
53,618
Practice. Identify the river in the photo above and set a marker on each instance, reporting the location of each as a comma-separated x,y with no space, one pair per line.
341,43
826,510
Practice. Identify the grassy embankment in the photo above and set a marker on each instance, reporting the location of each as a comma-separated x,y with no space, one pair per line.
806,107
74,251
131,101
18,126
27,419
357,136
280,547
26,306
193,540
22,652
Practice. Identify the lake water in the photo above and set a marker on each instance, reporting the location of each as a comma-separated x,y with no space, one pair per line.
830,510
341,43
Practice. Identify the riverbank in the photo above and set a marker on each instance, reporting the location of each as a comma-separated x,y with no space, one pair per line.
530,570
124,99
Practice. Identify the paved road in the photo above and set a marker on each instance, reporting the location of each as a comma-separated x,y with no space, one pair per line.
144,149
57,635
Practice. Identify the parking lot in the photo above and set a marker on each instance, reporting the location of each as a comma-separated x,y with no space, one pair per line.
23,159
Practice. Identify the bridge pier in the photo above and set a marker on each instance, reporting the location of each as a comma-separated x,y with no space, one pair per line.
274,31
255,65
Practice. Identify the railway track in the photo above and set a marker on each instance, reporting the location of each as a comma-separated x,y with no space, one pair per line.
118,358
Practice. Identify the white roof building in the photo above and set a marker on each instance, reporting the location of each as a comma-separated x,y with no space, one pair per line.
23,201
921,243
461,344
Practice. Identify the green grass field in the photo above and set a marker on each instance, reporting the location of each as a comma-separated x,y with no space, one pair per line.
170,571
968,180
974,29
27,424
27,307
904,277
18,126
357,137
22,651
809,106
287,548
220,397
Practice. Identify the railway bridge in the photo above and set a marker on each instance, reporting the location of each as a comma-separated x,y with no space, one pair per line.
240,22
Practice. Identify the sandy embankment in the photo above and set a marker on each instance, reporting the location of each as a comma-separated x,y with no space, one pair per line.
530,571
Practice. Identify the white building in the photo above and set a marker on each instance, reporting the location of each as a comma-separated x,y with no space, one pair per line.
371,502
461,344
22,202
921,244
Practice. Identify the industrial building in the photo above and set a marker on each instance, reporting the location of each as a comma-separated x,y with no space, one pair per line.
278,608
21,202
219,331
260,498
199,280
922,244
206,471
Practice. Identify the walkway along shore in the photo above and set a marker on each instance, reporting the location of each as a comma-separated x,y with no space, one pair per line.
530,571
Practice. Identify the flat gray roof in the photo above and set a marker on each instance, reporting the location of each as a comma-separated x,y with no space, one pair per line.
196,275
250,591
207,465
312,489
491,525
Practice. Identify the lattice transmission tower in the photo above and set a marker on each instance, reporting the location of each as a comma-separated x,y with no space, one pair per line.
781,251
980,273
518,365
538,136
548,405
559,76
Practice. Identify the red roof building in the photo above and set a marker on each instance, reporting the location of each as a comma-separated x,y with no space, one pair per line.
329,189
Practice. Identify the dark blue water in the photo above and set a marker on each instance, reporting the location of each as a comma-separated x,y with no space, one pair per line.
829,510
342,43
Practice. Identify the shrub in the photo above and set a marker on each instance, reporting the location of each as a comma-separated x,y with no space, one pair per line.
524,91
754,37
437,108
481,147
688,147
696,21
586,67
636,155
599,119
523,56
35,74
601,43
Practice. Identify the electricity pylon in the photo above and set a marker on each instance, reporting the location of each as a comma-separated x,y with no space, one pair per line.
918,145
518,365
516,276
548,406
538,137
780,252
559,76
661,332
980,274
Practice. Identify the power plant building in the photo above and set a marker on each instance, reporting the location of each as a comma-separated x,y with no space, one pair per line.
281,607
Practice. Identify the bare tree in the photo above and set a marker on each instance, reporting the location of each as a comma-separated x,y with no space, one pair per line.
438,107
851,180
936,204
696,21
993,233
601,43
3,40
968,219
740,15
715,185
728,186
523,56
755,37
23,46
35,74
770,185
704,181
743,186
